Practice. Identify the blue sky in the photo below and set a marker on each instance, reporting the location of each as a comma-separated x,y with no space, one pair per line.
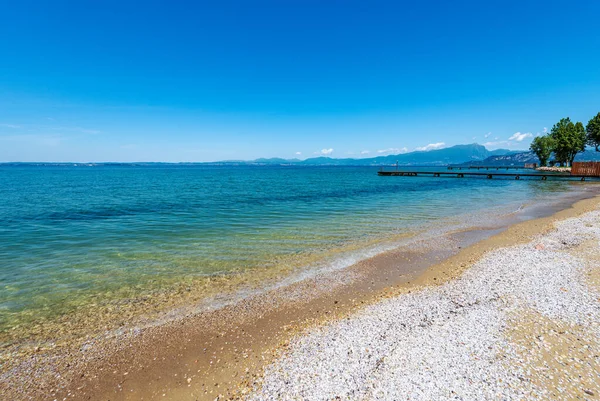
203,81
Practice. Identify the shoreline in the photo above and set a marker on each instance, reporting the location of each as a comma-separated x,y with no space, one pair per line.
231,345
521,322
114,316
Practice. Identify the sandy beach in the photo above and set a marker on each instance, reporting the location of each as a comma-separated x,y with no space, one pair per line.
454,313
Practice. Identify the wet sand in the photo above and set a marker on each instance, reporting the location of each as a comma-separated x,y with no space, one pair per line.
223,352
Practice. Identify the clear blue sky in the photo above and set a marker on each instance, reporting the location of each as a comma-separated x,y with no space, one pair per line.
215,80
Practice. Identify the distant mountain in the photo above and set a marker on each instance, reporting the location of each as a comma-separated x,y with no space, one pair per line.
511,159
473,154
520,158
275,160
453,155
501,152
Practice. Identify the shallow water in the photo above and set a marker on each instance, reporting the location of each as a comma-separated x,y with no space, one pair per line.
75,236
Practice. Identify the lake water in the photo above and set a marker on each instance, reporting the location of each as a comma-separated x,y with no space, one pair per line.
75,236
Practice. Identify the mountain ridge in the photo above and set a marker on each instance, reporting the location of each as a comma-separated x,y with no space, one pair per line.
451,155
521,158
473,154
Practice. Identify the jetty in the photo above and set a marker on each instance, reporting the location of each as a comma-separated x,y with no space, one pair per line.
524,167
463,174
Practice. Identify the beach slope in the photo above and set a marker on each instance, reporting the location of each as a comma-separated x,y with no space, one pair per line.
522,323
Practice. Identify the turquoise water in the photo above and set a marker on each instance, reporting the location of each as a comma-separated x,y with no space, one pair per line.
77,235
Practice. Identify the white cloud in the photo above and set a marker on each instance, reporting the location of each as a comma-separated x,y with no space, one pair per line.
504,144
298,153
432,146
393,150
324,152
517,136
474,137
365,152
487,135
497,144
545,130
10,126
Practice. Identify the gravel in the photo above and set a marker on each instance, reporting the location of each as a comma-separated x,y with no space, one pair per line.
445,342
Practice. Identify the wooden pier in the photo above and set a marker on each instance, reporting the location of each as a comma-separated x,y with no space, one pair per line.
516,176
488,168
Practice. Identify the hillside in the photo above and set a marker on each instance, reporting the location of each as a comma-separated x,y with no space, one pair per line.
453,155
520,158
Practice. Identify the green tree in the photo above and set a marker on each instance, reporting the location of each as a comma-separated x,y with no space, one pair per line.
568,140
542,147
593,132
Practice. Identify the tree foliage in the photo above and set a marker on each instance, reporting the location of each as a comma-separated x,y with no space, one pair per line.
568,139
542,147
593,132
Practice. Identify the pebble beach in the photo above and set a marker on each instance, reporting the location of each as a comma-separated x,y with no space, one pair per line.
523,322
